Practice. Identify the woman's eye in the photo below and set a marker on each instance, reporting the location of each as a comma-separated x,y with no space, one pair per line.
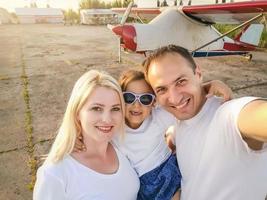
116,109
96,109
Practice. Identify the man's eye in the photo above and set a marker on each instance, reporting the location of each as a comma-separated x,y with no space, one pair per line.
96,109
181,82
116,109
160,90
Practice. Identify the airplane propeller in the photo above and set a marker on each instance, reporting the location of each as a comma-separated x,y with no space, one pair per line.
120,27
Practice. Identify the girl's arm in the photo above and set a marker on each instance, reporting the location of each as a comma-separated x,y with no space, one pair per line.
170,138
218,88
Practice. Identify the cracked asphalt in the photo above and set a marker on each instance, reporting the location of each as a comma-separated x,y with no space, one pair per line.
51,58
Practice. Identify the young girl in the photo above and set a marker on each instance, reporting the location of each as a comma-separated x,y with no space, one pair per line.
144,144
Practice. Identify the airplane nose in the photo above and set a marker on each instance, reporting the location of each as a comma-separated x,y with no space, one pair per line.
128,35
117,30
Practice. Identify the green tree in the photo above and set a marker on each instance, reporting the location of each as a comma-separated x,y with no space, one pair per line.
71,16
33,5
98,4
90,4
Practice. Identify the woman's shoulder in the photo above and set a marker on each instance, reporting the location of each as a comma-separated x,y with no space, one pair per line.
56,169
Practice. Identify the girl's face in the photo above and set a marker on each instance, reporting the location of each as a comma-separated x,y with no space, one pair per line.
136,112
101,116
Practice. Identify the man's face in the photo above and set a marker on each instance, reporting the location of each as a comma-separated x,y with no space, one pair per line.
177,87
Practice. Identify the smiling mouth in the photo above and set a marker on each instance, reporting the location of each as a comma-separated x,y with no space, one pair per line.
182,105
135,113
104,129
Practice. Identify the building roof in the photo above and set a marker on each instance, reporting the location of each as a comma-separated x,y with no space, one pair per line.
38,11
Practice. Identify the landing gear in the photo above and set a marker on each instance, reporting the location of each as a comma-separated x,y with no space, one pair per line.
248,56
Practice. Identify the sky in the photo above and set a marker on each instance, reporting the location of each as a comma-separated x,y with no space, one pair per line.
10,5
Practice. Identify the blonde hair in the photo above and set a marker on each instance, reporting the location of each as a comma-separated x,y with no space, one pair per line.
70,127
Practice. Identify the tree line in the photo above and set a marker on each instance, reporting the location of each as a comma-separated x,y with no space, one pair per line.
73,17
98,4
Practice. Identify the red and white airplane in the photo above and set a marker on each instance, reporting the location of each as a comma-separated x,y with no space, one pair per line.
191,27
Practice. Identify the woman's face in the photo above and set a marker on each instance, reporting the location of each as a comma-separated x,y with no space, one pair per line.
101,116
136,112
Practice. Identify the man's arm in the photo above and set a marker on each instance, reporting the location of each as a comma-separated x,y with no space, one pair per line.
252,122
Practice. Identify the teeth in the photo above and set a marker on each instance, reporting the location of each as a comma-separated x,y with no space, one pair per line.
135,113
105,129
182,105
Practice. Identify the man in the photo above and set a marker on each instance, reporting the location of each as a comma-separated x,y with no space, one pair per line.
221,149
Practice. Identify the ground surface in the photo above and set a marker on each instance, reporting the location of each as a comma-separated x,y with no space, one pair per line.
38,67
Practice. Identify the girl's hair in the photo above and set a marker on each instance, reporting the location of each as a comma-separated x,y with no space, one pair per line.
70,127
130,76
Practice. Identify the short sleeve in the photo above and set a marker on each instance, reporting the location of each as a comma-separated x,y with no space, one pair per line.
48,187
227,116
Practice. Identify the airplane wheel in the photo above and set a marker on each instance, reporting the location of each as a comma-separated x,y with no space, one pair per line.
248,56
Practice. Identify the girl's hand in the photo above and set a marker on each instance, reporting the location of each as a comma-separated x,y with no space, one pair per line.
218,88
169,138
79,145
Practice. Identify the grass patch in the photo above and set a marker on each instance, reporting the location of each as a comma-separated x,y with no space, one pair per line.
32,163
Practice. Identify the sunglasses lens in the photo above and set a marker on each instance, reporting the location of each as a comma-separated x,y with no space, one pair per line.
146,99
128,98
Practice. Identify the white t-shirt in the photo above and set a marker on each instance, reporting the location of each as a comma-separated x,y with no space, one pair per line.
145,147
71,180
215,162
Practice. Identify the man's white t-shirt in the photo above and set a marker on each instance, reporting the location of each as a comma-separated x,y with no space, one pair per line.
145,147
215,162
71,180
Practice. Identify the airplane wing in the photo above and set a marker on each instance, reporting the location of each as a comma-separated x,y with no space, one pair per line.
191,27
229,13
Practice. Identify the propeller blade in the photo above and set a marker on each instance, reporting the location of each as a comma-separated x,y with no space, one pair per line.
119,53
126,13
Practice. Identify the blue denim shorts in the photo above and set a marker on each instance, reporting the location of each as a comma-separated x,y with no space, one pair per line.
162,182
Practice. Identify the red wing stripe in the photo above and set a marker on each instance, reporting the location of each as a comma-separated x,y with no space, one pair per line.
238,7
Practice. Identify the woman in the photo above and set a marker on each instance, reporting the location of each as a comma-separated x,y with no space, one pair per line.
94,112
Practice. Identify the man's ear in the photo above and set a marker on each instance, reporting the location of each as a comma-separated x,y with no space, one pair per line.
198,72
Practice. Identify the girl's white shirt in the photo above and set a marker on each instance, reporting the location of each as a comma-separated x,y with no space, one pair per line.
145,147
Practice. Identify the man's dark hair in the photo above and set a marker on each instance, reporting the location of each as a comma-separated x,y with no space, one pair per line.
170,49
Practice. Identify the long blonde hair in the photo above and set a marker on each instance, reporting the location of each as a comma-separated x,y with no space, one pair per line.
70,127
